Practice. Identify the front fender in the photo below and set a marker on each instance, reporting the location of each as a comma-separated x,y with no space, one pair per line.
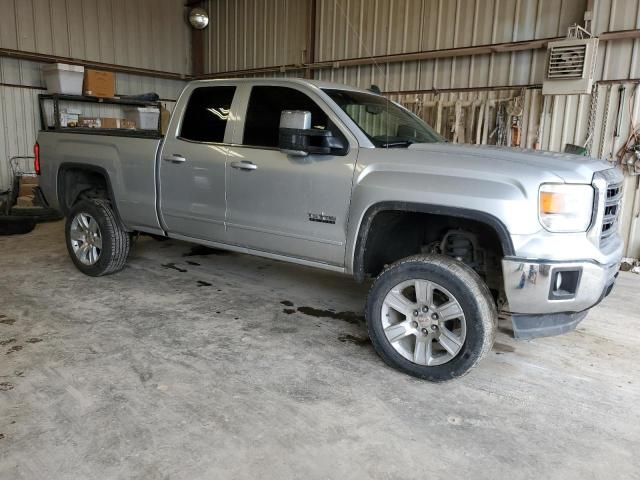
504,205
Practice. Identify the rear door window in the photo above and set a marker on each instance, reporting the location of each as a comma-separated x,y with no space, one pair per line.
206,115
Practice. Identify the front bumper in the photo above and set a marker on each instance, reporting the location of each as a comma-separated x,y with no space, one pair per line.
536,311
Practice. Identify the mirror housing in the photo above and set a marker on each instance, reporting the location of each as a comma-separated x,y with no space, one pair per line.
296,134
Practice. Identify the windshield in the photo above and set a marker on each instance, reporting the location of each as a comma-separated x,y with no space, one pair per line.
386,124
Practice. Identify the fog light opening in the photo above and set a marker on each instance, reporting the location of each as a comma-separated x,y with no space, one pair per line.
564,284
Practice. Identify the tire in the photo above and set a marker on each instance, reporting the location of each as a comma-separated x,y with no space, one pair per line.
12,225
114,240
459,318
38,214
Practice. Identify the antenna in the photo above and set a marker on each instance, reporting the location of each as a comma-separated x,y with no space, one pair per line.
358,36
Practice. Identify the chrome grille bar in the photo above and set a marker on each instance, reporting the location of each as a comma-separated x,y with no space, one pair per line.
611,211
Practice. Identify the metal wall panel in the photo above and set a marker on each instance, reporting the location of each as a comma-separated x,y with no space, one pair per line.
248,33
142,33
362,28
18,126
252,34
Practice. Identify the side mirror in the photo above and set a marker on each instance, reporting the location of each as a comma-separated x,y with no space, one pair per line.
296,134
292,125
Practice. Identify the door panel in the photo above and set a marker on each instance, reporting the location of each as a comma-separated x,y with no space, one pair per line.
192,193
271,207
283,204
192,166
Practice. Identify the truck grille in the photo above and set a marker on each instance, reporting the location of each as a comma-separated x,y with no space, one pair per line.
611,211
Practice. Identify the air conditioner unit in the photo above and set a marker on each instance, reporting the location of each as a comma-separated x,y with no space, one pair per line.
570,66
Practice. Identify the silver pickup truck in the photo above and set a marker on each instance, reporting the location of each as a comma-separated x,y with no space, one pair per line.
340,178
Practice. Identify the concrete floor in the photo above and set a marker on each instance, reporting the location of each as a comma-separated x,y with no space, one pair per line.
203,366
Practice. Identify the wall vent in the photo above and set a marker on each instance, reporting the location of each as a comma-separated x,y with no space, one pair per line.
570,66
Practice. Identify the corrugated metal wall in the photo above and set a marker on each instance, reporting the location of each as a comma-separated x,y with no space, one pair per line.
142,33
362,28
248,33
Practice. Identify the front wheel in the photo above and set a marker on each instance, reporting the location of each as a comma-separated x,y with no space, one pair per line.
431,316
96,241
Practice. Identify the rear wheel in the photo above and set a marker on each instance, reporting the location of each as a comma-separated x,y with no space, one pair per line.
96,241
431,317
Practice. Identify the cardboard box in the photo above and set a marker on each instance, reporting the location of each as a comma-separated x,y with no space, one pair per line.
126,123
25,190
29,179
165,116
98,83
26,185
107,122
24,201
90,122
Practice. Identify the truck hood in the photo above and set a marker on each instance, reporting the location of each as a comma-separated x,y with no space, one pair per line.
518,162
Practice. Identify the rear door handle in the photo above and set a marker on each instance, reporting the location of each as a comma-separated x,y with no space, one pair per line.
244,165
175,158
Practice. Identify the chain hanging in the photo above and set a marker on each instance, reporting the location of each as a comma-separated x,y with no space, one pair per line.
591,124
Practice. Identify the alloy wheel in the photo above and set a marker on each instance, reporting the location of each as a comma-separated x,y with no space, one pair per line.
423,322
86,238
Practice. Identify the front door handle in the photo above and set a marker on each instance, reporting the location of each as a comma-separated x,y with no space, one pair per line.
175,158
244,165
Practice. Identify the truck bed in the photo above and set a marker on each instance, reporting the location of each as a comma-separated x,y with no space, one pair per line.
127,161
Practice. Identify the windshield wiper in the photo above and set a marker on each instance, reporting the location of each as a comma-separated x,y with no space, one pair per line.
396,143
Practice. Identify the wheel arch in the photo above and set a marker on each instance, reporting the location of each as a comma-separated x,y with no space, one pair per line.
68,191
364,230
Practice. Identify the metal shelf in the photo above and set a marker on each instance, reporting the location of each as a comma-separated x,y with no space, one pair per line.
56,98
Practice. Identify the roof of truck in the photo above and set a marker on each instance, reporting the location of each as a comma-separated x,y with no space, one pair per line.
270,80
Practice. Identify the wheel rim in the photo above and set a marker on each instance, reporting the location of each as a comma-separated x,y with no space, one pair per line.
424,322
86,238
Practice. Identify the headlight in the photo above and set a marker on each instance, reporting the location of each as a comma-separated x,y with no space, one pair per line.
565,207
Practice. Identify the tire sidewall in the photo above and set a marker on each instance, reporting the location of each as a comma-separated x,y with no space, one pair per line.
473,346
88,207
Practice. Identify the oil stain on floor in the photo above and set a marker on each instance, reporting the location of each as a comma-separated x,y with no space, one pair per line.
173,266
361,341
349,317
